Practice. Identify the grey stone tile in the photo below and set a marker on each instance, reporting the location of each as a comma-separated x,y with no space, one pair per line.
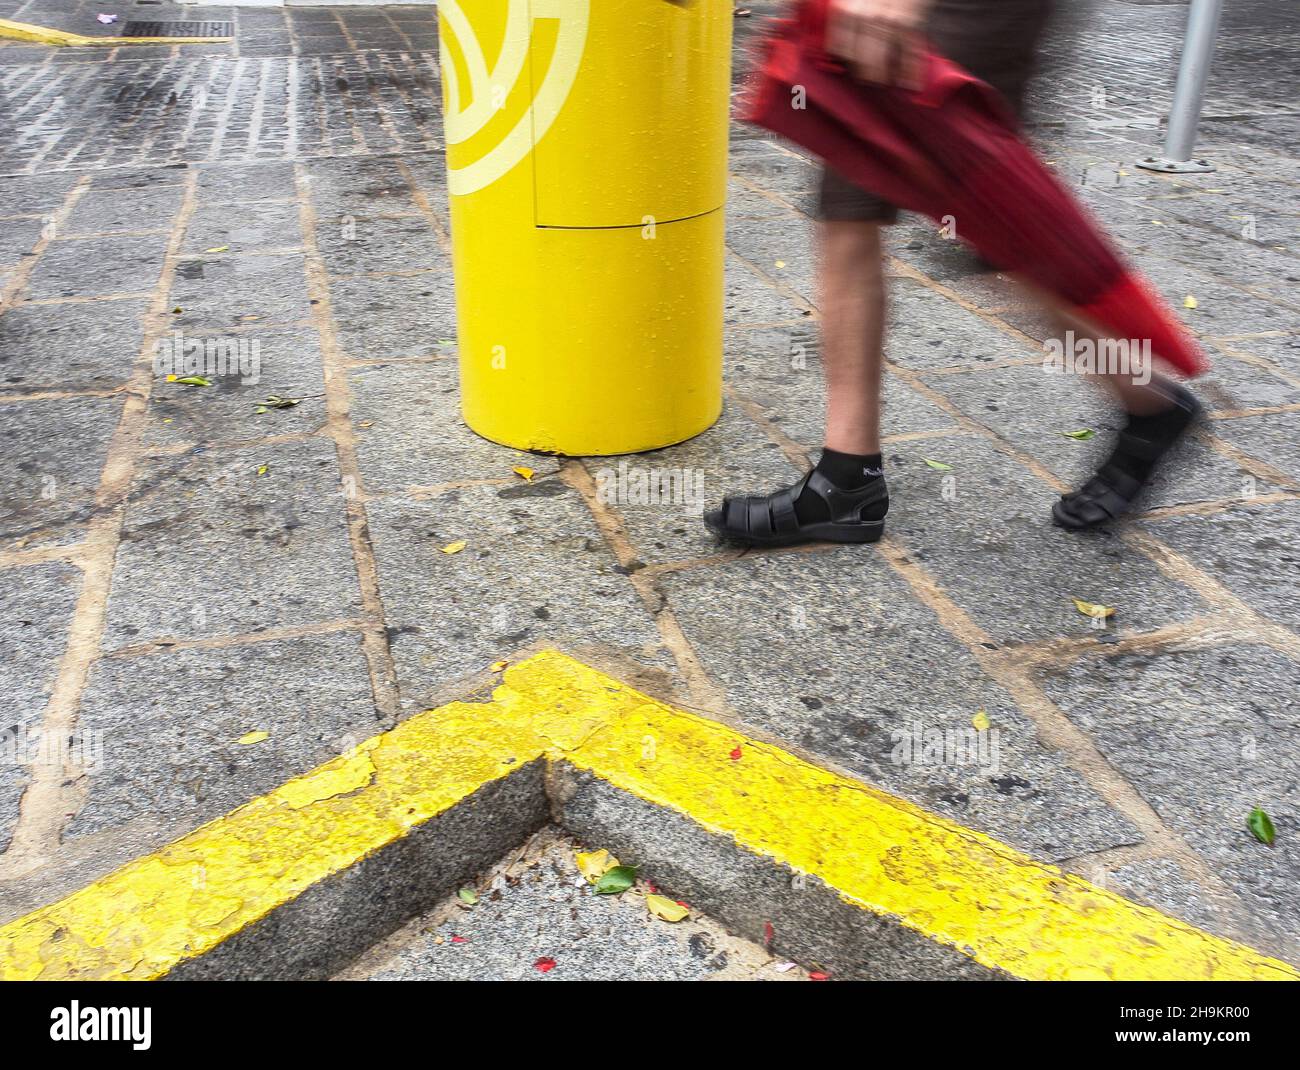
1032,409
535,572
18,237
783,249
90,346
138,178
172,721
104,211
824,650
52,456
414,435
547,910
38,194
1205,736
243,183
245,368
86,267
1274,439
251,226
1250,550
358,186
984,531
749,300
1236,384
228,291
210,548
926,330
1282,349
353,246
1163,884
404,316
661,495
36,607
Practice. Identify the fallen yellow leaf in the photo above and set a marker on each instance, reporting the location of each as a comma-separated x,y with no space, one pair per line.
780,263
262,469
1093,609
256,736
980,721
665,909
498,666
594,864
217,249
454,547
524,473
1189,301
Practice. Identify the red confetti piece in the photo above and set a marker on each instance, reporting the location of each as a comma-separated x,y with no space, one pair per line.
458,939
544,965
818,976
735,754
768,933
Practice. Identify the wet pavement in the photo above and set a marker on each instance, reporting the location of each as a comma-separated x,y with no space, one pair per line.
179,569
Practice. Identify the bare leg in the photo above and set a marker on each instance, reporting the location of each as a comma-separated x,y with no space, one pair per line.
852,290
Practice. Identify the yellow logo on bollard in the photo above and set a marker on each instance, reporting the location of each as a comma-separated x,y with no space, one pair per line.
517,94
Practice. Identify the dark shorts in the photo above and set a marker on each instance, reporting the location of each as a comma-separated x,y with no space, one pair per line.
995,40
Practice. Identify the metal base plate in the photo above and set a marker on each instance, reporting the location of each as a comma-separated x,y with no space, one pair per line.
1175,167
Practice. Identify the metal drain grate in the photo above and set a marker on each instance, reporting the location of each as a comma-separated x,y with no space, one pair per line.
158,28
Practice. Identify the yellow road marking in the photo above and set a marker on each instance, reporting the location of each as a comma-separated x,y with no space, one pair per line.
44,35
951,884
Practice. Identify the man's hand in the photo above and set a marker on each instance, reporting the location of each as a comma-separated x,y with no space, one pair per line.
879,40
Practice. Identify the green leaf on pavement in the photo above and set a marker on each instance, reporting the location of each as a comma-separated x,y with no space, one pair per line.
1080,436
1260,825
618,879
939,465
467,896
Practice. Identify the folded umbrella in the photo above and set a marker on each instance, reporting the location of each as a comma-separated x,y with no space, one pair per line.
952,150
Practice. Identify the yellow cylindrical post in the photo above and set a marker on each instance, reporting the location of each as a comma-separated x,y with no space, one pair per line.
586,168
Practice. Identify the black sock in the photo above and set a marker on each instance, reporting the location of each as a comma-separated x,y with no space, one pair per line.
1161,427
848,471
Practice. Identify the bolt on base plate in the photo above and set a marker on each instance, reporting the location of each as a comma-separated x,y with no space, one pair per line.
1175,167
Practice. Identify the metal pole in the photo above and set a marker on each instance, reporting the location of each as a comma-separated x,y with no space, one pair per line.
1189,92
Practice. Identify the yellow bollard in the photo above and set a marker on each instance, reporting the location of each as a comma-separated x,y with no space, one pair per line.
586,167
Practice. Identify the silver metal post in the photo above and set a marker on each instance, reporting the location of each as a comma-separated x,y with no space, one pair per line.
1189,92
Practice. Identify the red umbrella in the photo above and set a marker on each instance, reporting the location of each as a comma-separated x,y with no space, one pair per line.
952,149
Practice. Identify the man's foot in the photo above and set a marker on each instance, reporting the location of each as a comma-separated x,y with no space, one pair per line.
843,499
1141,446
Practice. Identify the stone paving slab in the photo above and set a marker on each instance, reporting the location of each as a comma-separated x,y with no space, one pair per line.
838,629
534,571
214,546
38,602
70,347
983,531
49,468
410,434
1224,723
311,696
538,909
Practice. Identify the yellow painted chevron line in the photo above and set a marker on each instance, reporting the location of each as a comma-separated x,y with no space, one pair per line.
951,884
43,35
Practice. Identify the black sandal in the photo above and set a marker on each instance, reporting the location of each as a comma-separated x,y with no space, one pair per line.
1110,493
772,521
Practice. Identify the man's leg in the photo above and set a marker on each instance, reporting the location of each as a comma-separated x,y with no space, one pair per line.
852,300
844,498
